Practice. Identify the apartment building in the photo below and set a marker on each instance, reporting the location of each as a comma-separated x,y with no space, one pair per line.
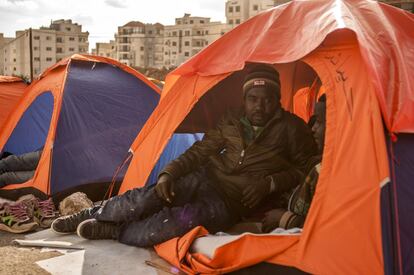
188,36
48,45
3,42
105,49
139,44
238,11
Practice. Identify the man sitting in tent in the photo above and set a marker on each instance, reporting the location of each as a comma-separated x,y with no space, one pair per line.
18,169
301,197
249,159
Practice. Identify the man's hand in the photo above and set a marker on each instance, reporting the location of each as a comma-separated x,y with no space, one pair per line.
272,220
165,187
254,193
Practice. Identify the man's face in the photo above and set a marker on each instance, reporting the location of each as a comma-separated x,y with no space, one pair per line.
260,105
319,126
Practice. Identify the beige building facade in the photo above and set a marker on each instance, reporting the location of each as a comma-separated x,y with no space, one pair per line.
188,36
48,46
105,49
238,11
139,44
3,42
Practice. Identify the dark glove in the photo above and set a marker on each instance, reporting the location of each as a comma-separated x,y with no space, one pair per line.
165,187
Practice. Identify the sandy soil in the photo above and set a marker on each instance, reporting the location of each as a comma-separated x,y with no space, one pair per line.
15,260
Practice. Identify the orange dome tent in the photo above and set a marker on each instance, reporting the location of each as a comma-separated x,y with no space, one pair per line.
362,52
11,91
85,111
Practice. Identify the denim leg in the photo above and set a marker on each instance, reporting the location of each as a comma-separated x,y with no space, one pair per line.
139,203
210,212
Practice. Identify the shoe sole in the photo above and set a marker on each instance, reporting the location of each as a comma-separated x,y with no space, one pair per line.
79,227
27,228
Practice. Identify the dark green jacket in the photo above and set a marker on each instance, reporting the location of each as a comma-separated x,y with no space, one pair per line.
280,151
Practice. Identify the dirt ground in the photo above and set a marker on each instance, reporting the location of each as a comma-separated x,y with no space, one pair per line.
15,260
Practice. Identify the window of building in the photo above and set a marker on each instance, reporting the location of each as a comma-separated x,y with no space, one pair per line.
237,21
237,8
149,32
68,29
142,57
187,43
14,59
230,9
187,33
71,49
59,50
58,59
36,37
174,43
174,52
178,22
231,21
186,54
48,59
255,7
206,32
36,71
35,48
36,59
191,21
141,48
174,33
201,21
48,49
48,38
59,39
71,38
166,53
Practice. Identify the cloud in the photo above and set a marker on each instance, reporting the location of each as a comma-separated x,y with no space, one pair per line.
116,3
15,1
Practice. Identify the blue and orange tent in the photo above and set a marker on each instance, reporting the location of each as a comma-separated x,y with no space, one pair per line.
360,219
85,111
11,91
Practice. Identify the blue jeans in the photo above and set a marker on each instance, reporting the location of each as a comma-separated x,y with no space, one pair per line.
146,220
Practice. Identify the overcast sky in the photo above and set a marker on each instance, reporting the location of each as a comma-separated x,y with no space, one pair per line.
101,17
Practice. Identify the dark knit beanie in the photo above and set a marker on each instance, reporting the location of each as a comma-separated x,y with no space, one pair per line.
262,75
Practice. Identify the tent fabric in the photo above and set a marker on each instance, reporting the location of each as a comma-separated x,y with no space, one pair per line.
11,91
92,97
103,109
30,133
401,201
356,48
176,146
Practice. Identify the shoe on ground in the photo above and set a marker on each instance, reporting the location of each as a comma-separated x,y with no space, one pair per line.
68,224
94,230
14,218
43,212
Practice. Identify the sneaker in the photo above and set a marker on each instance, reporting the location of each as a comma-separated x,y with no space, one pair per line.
68,224
14,218
94,230
43,212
